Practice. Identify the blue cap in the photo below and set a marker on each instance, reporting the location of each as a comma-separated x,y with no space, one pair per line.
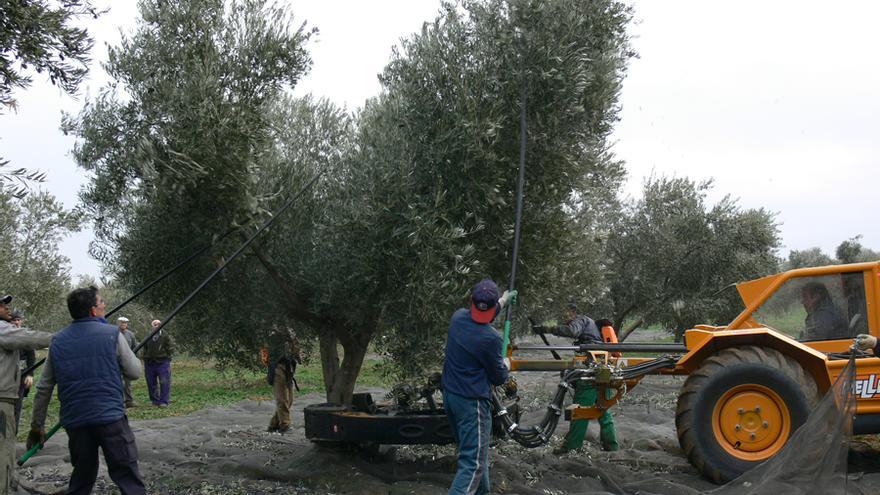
484,298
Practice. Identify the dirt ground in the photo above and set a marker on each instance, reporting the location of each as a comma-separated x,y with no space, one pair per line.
226,450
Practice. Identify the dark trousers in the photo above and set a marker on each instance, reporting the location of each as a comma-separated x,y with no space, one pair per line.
158,375
120,452
22,393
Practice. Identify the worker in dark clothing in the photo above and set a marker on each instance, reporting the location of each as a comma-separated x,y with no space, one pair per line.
583,330
283,356
26,359
472,365
86,360
824,320
157,354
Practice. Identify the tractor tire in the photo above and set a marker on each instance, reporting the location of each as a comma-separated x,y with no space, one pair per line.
740,407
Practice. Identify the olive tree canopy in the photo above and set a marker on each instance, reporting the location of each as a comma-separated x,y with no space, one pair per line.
416,200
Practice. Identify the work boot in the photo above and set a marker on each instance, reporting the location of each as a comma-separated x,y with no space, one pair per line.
609,447
562,450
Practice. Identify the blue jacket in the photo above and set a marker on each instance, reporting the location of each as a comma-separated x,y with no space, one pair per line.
86,368
473,358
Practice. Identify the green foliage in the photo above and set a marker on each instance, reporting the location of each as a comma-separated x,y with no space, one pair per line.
439,151
670,252
176,143
32,268
417,200
849,251
852,251
41,36
807,258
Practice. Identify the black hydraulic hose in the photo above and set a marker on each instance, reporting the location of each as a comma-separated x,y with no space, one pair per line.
537,435
198,289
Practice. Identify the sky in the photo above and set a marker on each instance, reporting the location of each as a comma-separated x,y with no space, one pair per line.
775,101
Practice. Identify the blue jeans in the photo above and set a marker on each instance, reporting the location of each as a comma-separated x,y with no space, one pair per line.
471,421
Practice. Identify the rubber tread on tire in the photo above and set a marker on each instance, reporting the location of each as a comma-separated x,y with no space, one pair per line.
707,384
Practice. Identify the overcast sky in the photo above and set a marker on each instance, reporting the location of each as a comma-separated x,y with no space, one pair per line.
777,101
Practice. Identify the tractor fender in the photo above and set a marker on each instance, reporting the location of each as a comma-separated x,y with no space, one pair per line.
702,344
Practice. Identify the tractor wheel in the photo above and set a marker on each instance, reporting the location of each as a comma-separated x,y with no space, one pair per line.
740,407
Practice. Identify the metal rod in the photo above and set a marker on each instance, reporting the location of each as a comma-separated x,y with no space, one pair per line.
622,347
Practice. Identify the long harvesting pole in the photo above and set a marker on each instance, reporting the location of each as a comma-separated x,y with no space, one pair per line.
189,298
519,194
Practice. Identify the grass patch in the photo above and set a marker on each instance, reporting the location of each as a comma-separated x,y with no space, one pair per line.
197,384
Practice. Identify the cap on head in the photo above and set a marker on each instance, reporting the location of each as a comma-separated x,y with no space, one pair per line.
5,299
122,319
572,306
484,298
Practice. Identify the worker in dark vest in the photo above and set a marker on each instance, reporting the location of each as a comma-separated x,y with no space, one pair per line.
87,360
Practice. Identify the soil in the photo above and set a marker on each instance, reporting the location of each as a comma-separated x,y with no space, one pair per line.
226,450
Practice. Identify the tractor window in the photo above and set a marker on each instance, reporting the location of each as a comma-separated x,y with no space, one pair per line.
826,307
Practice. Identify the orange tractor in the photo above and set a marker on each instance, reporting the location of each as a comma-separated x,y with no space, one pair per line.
752,383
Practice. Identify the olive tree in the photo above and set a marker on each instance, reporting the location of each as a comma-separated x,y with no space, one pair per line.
671,252
32,267
416,200
42,37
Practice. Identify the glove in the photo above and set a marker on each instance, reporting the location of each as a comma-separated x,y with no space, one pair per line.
865,342
510,387
506,362
36,436
509,296
538,329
